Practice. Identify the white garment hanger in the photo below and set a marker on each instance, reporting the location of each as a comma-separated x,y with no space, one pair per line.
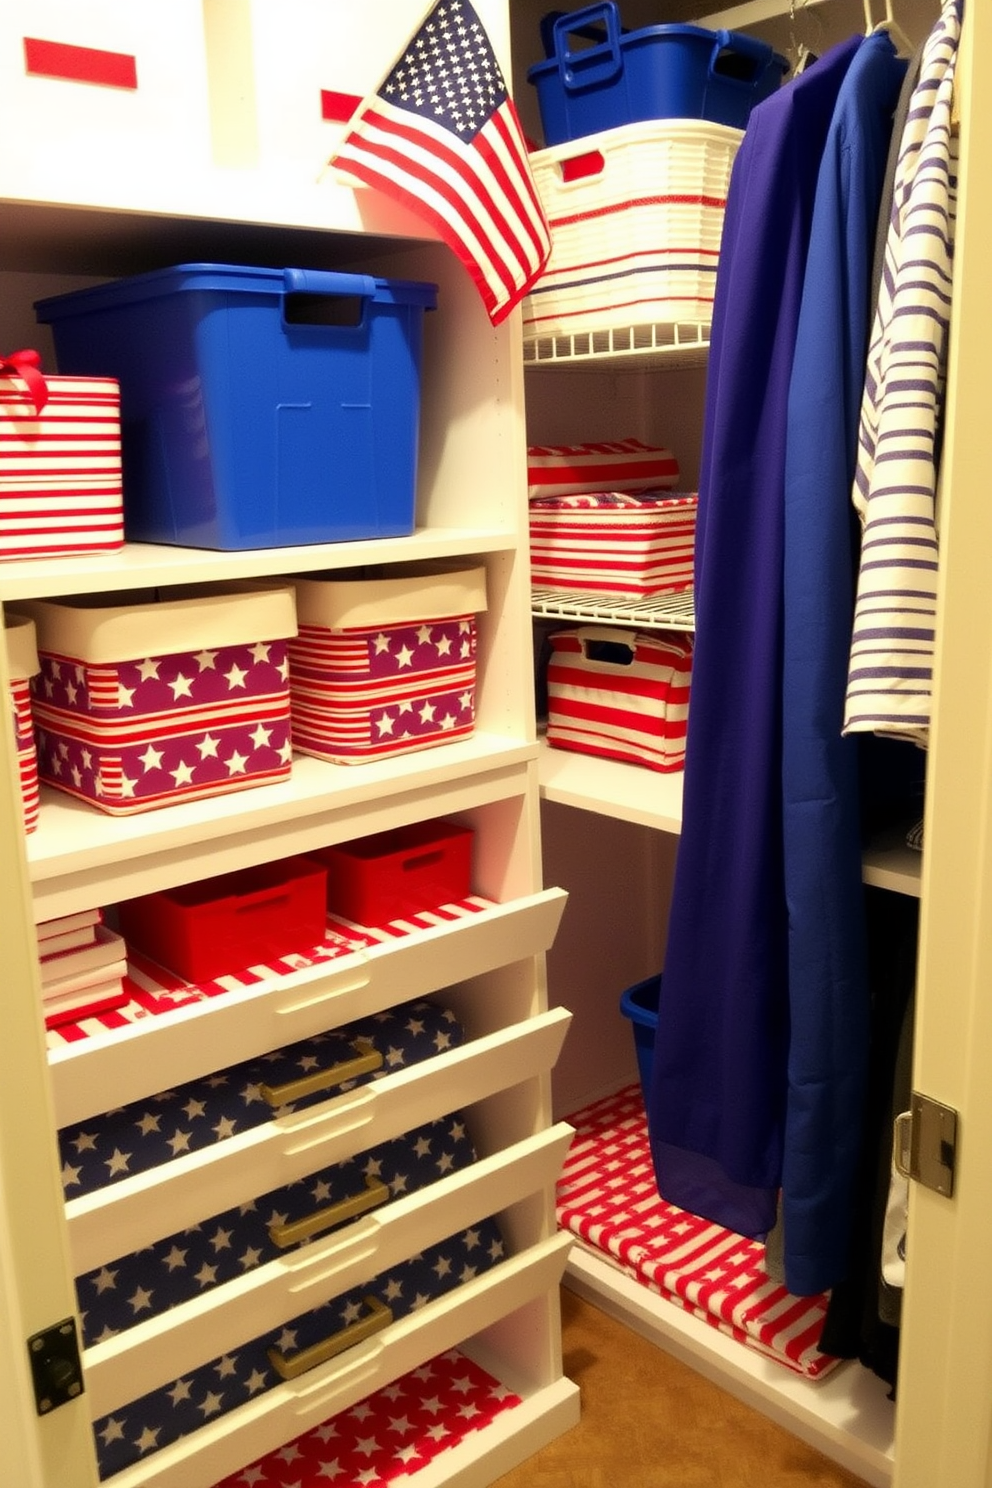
802,53
887,23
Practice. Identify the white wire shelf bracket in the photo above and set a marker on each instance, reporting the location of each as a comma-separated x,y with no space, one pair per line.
666,344
659,612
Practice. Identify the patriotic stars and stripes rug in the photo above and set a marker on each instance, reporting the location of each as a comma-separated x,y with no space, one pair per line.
607,1197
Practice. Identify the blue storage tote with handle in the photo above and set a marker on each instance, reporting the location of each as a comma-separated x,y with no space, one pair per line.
259,407
657,72
639,1004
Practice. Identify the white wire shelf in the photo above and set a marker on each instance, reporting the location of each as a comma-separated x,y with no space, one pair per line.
667,344
659,612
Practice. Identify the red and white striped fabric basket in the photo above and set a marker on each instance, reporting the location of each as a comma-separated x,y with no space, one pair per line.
143,705
613,542
22,665
597,466
636,216
60,463
620,693
608,1198
385,664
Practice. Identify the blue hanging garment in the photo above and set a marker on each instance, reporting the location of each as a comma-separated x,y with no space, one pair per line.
717,1104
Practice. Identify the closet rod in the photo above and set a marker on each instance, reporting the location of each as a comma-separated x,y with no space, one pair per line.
750,12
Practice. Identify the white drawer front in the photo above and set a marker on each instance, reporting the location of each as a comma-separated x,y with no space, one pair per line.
128,1215
158,1351
220,1448
158,1053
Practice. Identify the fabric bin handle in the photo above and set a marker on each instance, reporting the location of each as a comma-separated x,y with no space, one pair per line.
608,646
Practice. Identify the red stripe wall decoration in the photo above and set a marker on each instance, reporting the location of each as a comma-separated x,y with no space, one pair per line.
79,64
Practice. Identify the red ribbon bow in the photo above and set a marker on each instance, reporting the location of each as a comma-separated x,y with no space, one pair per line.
27,366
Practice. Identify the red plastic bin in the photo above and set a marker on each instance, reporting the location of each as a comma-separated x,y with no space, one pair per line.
400,872
246,918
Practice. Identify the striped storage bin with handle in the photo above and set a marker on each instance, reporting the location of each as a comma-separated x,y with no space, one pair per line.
620,693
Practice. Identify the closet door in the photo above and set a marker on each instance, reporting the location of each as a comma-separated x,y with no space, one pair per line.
944,1409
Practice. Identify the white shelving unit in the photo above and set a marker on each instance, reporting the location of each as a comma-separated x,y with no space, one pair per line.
59,232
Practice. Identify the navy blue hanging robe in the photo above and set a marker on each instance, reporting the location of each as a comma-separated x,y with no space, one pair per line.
829,997
717,1103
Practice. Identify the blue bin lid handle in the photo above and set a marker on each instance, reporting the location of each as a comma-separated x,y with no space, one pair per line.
591,66
327,282
755,54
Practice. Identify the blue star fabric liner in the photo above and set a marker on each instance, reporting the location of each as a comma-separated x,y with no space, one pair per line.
144,1134
116,1296
204,1393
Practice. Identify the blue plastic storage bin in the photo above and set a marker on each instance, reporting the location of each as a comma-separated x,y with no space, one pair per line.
640,1004
259,407
658,72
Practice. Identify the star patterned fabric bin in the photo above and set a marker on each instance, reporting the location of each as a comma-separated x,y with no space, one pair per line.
384,664
142,705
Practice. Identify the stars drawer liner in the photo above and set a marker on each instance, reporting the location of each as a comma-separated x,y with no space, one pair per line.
145,1134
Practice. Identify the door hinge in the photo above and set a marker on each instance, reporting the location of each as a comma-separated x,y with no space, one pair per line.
925,1143
56,1367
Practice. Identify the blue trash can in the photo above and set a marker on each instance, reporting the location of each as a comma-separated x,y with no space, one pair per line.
639,1003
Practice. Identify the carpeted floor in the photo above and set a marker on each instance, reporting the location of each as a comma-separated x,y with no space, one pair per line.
650,1422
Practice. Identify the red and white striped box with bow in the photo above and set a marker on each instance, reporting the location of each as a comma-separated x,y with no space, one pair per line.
613,542
22,665
386,663
620,693
139,706
60,462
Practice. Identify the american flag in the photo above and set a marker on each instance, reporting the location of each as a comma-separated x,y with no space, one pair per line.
441,136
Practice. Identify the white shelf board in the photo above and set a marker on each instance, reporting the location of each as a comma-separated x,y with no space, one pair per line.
40,206
635,794
611,788
847,1416
78,851
668,345
657,612
890,864
147,565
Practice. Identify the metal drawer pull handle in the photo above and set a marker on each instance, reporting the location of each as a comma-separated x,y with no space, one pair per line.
375,1193
367,1059
379,1316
